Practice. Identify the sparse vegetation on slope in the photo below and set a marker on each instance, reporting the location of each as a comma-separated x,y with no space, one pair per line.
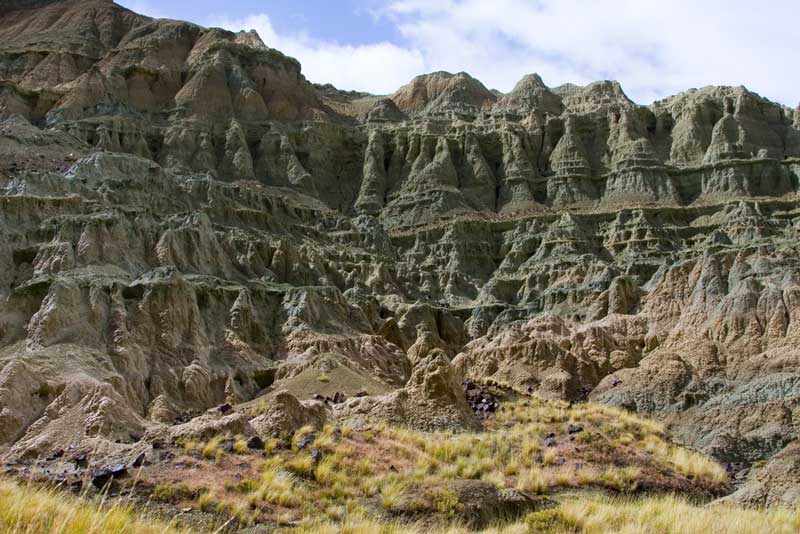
399,481
530,446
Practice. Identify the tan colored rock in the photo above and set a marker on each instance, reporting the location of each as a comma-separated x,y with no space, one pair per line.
284,414
83,413
237,162
569,160
210,425
442,92
530,94
431,400
553,358
384,110
774,484
372,196
596,97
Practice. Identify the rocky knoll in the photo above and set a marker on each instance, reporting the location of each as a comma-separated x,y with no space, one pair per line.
185,221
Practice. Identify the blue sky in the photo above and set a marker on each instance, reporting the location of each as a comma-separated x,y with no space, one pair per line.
655,48
347,21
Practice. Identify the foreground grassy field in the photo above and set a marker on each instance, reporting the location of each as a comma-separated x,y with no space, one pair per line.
25,510
604,515
586,469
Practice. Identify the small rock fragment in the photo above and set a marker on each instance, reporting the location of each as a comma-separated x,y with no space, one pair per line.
306,440
255,443
104,475
138,461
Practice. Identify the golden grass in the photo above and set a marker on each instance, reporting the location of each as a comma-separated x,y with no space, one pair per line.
213,449
391,492
173,493
601,515
240,446
673,515
206,502
28,510
511,452
697,466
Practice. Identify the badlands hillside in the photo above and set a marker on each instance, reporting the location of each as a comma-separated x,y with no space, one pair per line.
216,276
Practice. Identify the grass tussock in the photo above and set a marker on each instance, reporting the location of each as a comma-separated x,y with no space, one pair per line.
28,510
697,466
174,493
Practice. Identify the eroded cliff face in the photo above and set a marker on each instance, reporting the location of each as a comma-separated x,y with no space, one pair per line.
186,221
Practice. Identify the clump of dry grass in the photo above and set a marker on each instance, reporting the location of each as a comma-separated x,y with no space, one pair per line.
391,492
240,446
213,449
174,493
697,466
277,486
206,502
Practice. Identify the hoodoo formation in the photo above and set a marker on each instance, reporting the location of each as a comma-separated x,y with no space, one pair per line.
189,227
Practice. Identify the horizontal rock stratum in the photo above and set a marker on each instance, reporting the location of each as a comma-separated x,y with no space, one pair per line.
186,221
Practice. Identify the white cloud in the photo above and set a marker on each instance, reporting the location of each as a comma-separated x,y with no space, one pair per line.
653,47
379,68
145,7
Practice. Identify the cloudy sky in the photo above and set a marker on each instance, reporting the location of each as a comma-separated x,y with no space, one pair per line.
653,47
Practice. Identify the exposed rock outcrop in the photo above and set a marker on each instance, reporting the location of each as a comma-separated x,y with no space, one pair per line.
433,399
284,414
441,92
774,484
